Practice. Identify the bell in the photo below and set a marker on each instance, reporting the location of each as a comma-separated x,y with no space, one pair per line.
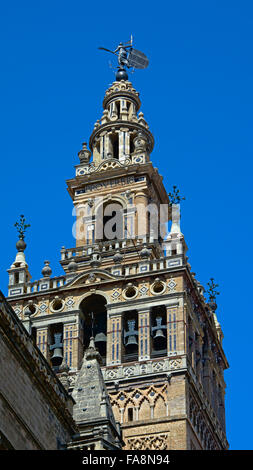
57,356
100,338
131,340
158,329
100,342
57,348
159,334
131,335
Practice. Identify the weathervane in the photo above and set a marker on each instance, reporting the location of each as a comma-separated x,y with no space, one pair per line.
175,198
21,227
127,57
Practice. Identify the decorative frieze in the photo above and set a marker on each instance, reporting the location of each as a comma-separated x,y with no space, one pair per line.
139,369
155,442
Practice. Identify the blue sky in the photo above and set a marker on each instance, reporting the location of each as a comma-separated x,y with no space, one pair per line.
197,97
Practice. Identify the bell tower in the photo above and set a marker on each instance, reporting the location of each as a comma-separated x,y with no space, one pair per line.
127,282
121,144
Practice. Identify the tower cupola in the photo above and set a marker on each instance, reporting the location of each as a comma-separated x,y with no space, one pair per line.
121,133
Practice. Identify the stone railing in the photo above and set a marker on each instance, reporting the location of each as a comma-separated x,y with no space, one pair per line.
107,246
117,270
45,284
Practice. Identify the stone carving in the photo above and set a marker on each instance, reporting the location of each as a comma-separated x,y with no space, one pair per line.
197,418
43,307
91,277
158,366
171,285
143,368
112,163
121,86
149,442
72,380
128,371
142,399
175,363
143,290
116,294
111,374
70,302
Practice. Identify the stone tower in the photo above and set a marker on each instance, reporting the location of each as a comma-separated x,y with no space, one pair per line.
158,337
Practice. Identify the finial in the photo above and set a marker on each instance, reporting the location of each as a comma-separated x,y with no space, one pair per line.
84,154
46,271
127,57
212,292
175,198
72,266
92,352
92,343
21,227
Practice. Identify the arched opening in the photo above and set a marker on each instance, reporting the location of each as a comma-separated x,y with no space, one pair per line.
132,148
110,222
55,334
114,145
95,324
131,334
159,331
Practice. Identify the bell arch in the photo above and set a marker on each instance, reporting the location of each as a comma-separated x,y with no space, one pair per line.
93,314
159,331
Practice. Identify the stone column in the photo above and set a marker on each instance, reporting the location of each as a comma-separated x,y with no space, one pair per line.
141,218
42,341
114,340
109,147
102,147
121,136
144,335
72,344
172,337
123,110
127,142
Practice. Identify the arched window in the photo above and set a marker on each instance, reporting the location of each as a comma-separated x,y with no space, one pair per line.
110,222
